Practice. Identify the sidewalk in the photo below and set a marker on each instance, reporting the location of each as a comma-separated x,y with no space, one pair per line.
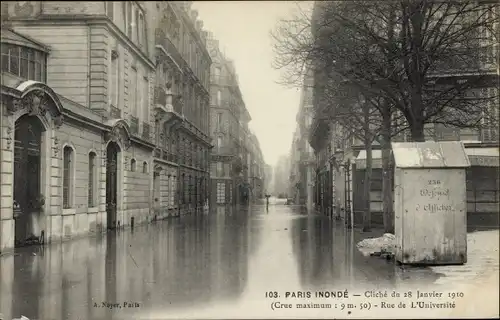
482,260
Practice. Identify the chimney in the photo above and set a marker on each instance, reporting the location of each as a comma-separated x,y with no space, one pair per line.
204,36
199,25
194,15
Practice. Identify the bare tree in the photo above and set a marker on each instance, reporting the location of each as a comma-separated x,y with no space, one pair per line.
403,52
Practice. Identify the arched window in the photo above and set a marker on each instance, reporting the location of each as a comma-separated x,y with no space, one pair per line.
92,180
68,178
132,165
144,167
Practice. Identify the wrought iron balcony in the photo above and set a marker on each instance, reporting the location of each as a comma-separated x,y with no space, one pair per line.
160,96
163,43
163,154
134,125
226,81
489,135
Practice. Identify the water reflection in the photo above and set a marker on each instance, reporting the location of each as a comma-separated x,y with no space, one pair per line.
327,258
181,263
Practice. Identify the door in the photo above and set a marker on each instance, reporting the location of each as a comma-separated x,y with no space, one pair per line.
111,184
27,202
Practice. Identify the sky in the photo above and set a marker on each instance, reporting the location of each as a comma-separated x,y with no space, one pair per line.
242,28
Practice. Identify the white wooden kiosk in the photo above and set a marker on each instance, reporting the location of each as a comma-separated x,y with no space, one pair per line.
430,202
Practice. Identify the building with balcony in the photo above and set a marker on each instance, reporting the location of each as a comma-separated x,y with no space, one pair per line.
81,112
229,120
181,110
303,160
281,177
76,138
256,169
341,162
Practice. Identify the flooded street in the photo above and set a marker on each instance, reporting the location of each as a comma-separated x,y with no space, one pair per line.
215,265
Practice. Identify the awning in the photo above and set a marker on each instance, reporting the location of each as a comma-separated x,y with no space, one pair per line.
482,157
376,159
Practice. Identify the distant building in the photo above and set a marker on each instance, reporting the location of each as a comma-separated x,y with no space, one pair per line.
281,176
303,161
236,159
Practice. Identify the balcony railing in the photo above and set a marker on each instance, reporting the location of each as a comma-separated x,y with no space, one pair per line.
489,135
163,154
223,80
167,45
114,112
178,104
146,131
160,96
483,59
134,125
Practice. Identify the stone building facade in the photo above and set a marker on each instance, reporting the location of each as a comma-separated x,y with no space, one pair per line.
79,149
302,173
229,120
181,110
256,169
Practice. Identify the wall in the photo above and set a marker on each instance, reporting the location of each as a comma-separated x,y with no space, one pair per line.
68,60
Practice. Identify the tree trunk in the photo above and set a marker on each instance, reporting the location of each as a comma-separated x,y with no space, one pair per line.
367,186
387,175
368,141
417,131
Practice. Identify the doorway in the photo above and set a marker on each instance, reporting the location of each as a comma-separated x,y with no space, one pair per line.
27,176
112,184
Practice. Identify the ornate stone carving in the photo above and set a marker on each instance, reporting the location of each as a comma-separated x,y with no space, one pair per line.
56,147
58,121
13,105
118,135
9,137
36,102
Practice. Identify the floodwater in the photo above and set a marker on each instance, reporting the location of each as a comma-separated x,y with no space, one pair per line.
225,264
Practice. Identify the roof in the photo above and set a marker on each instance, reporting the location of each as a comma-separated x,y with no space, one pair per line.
430,154
10,36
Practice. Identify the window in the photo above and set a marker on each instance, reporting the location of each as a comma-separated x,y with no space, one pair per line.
133,92
219,142
144,100
109,9
114,79
144,167
219,98
132,165
221,192
92,180
24,62
220,169
67,177
140,30
219,121
129,20
217,73
173,184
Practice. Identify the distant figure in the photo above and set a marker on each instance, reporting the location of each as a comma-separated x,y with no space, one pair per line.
267,201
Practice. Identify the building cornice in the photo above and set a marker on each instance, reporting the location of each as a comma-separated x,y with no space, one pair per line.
85,20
